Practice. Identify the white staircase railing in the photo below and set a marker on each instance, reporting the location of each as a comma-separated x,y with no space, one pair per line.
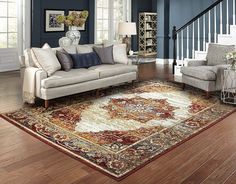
214,24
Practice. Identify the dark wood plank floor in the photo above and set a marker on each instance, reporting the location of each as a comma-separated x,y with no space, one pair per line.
208,158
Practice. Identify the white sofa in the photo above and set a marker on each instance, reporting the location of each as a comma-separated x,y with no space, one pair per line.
63,83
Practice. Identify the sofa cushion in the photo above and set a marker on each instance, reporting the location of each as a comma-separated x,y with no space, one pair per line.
85,60
112,70
74,76
105,54
216,53
200,72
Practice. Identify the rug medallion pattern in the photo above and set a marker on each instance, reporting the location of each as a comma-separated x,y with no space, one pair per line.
121,131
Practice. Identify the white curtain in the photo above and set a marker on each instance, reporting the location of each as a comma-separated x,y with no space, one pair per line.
24,24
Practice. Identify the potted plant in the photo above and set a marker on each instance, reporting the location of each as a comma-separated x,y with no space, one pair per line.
231,58
73,21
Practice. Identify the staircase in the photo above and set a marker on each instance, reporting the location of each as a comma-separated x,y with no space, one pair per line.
216,24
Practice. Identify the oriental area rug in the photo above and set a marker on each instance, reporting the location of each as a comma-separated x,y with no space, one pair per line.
126,128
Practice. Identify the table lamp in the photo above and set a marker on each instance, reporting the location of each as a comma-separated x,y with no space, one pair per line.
127,29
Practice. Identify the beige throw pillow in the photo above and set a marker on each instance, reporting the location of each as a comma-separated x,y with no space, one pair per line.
119,53
47,60
34,58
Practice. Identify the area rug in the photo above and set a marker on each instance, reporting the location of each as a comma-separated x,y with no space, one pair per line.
125,129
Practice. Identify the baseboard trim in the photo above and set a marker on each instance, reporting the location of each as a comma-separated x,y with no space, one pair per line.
164,61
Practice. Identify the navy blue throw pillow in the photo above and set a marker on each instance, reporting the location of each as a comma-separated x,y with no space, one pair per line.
85,60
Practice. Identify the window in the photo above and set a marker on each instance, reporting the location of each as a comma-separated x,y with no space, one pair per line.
8,25
108,14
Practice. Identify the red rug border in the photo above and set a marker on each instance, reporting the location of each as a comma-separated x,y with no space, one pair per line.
58,147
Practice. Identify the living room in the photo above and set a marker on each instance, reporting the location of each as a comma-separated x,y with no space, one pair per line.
117,91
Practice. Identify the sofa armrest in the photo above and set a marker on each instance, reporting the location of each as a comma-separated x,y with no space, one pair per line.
195,62
40,75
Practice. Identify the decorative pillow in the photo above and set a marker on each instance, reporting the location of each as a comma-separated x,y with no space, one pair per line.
85,60
47,60
105,54
216,53
65,60
120,54
35,60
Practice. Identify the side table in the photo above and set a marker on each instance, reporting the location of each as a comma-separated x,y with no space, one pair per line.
228,93
146,67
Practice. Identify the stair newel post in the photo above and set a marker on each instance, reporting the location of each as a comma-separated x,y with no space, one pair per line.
174,38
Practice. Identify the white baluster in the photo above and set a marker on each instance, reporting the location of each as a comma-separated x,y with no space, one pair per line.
234,15
177,46
198,35
188,42
193,47
182,45
227,16
204,32
209,25
215,31
221,18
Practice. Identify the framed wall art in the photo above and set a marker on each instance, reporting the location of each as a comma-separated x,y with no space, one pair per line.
51,24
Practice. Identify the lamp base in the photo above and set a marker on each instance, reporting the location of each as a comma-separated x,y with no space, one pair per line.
127,40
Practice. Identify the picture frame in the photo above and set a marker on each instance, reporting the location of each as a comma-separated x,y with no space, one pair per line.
83,28
51,24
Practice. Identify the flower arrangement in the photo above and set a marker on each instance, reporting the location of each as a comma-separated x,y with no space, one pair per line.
73,19
231,58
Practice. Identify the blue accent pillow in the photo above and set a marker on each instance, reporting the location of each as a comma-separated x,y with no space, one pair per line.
85,60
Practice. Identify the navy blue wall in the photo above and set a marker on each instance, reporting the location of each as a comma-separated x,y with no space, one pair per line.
137,7
170,13
39,36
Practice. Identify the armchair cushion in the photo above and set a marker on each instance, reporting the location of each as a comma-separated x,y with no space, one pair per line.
200,72
216,53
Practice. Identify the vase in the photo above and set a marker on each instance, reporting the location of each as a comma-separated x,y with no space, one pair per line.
74,35
65,42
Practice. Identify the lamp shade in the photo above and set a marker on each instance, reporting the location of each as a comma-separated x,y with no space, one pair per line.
127,28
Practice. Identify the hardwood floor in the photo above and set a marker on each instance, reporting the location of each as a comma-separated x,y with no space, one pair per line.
209,158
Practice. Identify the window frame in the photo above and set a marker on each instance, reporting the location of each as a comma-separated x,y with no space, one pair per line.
7,17
127,8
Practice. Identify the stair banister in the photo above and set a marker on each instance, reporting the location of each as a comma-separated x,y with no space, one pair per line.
176,31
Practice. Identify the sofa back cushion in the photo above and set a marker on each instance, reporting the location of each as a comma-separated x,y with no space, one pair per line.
216,53
85,60
65,60
105,54
71,49
87,48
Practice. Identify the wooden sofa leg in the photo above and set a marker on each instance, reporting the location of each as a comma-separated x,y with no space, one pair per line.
208,94
46,104
183,86
97,93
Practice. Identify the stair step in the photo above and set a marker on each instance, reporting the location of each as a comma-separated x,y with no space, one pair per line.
226,39
233,30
